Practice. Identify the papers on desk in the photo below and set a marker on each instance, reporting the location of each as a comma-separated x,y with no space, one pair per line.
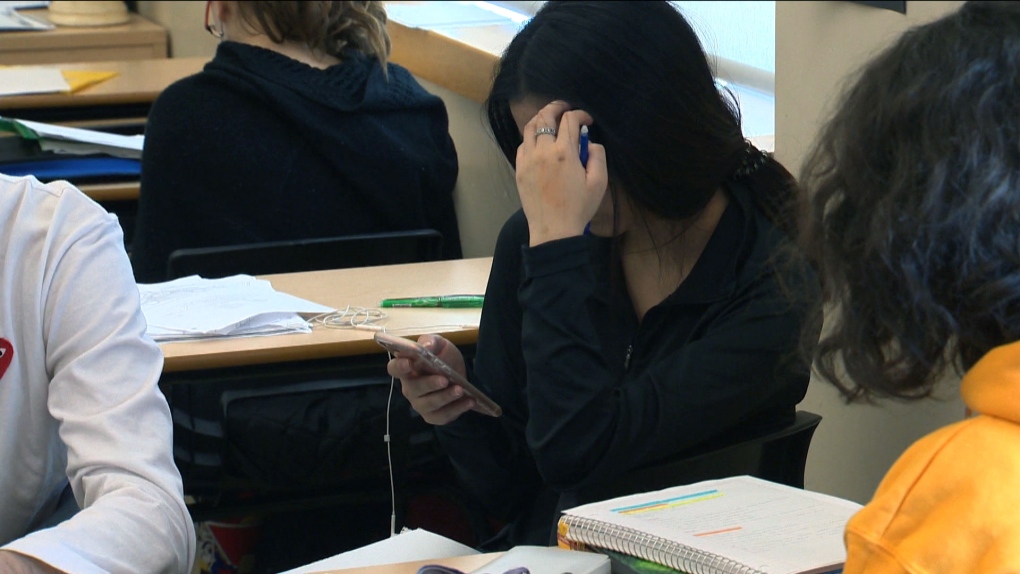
10,20
79,156
408,546
25,80
18,80
421,545
24,4
192,308
40,131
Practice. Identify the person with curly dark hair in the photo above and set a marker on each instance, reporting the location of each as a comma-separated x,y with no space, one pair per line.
298,128
914,224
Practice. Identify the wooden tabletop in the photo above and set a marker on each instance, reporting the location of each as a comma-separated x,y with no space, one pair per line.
137,81
361,287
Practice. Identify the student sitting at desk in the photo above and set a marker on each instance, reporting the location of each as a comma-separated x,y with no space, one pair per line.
82,421
298,128
665,327
914,222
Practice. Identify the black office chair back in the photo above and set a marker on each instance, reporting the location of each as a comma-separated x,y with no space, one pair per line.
213,447
364,250
779,456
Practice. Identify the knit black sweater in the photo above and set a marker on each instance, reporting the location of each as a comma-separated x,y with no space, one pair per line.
260,147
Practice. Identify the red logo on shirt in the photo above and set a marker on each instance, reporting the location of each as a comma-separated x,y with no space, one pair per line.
6,354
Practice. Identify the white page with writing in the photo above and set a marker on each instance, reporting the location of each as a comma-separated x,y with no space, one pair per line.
770,527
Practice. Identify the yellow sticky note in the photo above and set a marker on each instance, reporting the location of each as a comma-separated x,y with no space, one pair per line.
81,79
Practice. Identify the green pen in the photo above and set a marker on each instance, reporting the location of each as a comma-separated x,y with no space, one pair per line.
444,301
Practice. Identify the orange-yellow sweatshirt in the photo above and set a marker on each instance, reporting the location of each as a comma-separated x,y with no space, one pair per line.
951,503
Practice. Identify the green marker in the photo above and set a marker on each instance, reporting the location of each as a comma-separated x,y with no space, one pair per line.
444,301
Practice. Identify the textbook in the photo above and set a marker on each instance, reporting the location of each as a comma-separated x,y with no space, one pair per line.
736,525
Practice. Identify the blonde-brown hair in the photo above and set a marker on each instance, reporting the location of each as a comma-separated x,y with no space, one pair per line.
328,27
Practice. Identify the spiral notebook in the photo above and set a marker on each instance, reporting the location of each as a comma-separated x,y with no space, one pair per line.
737,525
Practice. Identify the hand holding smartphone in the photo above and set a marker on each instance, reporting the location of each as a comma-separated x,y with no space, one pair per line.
429,362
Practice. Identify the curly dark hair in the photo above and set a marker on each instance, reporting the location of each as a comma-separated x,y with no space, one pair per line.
913,216
329,27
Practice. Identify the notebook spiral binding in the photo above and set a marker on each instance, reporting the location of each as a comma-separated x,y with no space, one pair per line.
653,548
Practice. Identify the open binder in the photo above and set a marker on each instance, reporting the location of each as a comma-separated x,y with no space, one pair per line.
736,525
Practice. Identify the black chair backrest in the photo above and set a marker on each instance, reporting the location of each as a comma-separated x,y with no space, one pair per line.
364,250
779,456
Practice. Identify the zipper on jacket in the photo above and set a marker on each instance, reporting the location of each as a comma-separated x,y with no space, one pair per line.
626,357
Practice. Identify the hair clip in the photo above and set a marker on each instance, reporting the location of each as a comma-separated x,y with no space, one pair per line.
753,160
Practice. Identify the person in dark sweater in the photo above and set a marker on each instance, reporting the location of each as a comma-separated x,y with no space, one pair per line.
639,305
298,128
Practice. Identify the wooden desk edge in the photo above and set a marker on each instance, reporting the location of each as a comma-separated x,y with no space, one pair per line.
170,70
262,356
126,191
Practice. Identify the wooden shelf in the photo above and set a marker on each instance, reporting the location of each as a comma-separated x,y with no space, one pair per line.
137,39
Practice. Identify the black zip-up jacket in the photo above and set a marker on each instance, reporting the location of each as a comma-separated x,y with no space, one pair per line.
589,393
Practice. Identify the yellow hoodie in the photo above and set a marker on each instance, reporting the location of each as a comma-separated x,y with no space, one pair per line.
951,503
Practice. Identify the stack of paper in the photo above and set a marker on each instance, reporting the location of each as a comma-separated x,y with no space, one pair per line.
80,140
192,308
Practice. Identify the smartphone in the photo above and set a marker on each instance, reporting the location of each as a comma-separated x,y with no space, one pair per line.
427,361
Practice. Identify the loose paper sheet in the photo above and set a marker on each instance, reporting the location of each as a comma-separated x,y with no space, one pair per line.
19,80
241,305
408,546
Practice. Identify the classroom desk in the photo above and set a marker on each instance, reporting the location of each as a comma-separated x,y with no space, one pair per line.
138,38
121,102
197,374
131,91
361,287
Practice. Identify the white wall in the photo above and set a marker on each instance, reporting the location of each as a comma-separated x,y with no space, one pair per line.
817,45
486,193
185,21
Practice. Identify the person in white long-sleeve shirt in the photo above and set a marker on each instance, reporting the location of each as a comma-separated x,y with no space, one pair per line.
79,402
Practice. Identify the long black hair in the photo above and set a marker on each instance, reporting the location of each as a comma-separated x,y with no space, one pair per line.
672,138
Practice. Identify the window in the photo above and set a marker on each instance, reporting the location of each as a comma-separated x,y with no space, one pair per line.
739,37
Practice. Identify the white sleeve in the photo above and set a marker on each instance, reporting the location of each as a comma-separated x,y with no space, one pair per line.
112,416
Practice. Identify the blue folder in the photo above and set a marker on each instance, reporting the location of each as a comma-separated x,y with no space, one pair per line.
76,169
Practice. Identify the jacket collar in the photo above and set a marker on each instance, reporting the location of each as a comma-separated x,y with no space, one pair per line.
714,275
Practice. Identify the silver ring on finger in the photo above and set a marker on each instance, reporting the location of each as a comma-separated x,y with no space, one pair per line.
545,130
